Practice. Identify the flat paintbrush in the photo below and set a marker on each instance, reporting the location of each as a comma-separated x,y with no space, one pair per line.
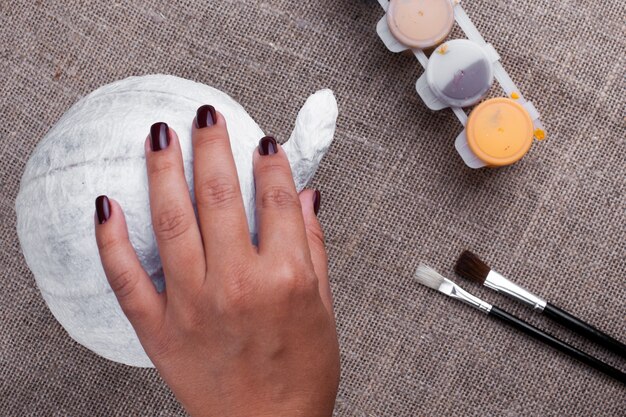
432,279
471,267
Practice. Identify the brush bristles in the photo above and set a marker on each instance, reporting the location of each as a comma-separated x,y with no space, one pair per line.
470,266
427,276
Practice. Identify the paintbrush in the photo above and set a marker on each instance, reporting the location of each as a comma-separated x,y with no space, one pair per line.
432,279
472,267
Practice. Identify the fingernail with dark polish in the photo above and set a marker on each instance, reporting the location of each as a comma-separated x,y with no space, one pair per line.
317,199
103,208
205,116
268,146
159,136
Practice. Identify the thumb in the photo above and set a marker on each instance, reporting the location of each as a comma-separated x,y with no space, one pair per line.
310,202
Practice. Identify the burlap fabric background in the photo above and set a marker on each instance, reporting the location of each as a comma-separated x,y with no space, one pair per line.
394,193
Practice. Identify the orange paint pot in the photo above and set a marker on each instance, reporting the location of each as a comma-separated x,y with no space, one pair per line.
420,24
499,132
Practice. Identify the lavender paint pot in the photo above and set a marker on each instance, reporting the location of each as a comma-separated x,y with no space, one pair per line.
459,73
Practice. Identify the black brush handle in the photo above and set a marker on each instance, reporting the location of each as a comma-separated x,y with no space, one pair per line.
557,344
566,319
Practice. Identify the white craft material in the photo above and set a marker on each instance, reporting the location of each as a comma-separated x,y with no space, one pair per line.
96,148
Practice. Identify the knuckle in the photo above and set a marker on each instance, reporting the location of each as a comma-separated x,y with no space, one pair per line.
316,234
123,284
237,289
273,168
296,279
171,223
218,192
279,197
288,271
108,244
161,167
208,138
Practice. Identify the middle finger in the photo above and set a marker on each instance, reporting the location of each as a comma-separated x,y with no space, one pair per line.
221,213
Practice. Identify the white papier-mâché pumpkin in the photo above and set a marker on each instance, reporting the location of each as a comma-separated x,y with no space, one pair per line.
98,148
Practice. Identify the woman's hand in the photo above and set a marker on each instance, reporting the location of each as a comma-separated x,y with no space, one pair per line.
241,330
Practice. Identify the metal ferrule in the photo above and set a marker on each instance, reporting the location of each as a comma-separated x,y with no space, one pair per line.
451,289
499,283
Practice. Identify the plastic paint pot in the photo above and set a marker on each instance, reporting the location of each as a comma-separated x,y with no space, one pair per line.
459,73
420,23
499,132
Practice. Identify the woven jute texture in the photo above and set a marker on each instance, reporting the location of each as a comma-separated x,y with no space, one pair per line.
394,193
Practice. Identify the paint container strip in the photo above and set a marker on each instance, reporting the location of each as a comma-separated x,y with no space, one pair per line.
434,100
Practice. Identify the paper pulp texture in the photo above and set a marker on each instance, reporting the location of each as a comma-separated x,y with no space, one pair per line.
98,148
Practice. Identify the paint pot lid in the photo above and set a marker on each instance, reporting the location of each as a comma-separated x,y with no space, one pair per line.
420,23
459,72
499,131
